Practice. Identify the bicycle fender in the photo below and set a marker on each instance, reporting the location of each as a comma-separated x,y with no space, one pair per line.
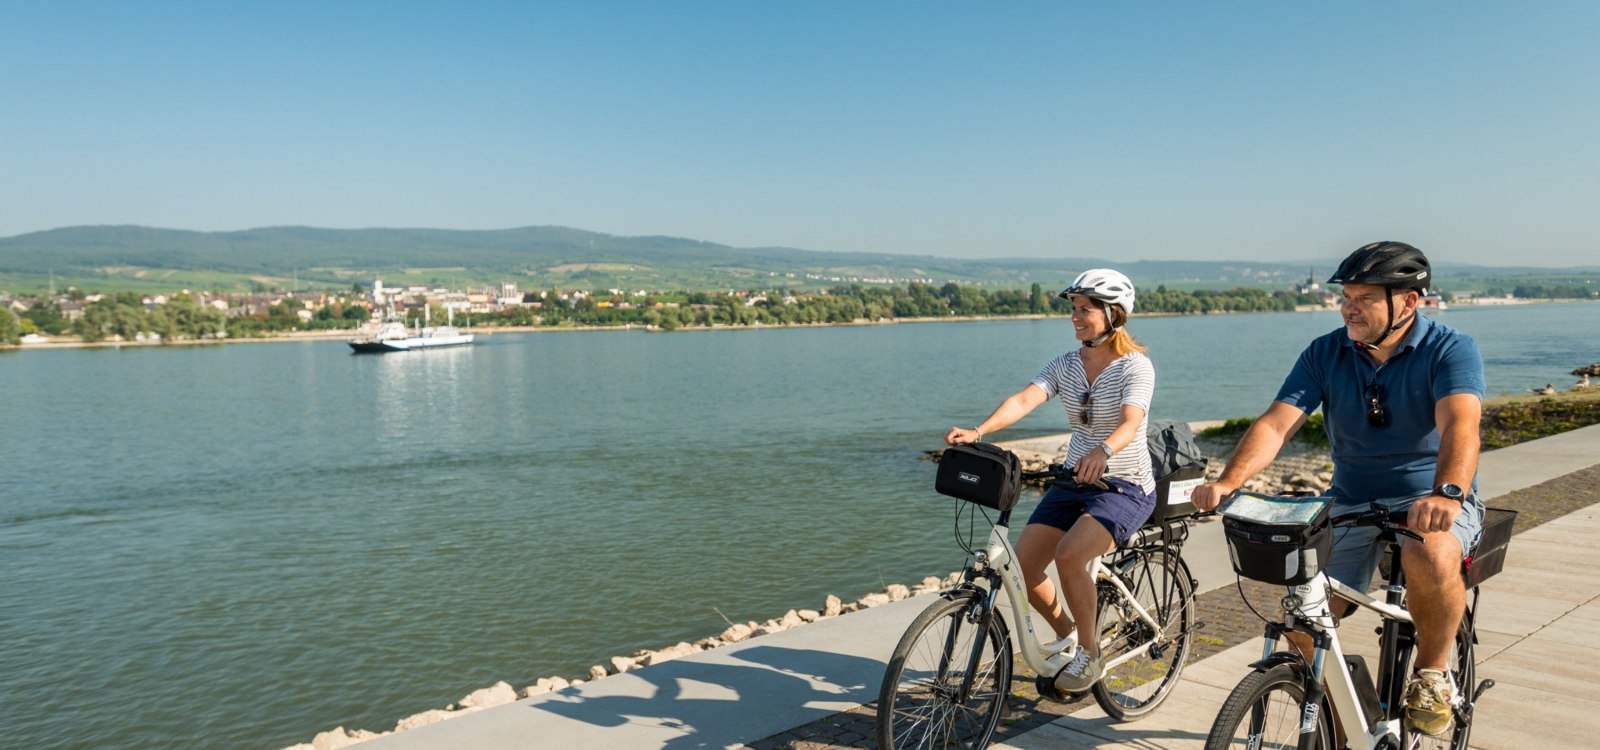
962,591
1282,657
970,591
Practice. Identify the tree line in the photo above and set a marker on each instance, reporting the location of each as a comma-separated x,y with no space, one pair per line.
1545,291
846,304
125,316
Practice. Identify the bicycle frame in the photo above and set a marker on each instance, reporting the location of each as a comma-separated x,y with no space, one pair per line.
1312,607
1000,558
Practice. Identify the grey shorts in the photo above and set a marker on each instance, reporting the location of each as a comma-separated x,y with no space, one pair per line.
1122,510
1356,551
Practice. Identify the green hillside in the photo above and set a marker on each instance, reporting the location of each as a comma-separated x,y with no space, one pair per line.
132,258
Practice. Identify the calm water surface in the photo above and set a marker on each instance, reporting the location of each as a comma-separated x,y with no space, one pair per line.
240,546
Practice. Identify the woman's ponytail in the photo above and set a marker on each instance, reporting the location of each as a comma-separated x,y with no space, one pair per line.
1121,342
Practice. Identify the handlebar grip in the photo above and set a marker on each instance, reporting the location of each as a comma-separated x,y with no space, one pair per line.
1384,517
1065,475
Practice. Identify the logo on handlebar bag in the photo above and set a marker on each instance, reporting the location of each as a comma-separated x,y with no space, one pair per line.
969,478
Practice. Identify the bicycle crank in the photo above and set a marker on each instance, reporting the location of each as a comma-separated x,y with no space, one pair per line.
1048,690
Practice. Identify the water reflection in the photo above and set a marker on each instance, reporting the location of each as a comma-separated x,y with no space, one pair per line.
420,395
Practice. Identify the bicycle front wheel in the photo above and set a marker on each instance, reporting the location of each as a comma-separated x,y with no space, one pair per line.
947,680
1162,587
1263,713
1465,676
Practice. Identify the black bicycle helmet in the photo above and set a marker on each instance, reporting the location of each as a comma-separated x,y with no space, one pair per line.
1391,264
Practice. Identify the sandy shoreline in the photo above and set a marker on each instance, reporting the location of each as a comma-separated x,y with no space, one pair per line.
492,330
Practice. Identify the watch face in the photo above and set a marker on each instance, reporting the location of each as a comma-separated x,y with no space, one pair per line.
1451,491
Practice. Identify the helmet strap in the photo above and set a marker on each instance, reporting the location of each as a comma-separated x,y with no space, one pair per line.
1392,327
1112,328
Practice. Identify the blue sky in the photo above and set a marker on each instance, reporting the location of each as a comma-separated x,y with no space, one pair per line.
1218,130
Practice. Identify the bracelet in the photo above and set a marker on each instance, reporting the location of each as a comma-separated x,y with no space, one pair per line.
980,434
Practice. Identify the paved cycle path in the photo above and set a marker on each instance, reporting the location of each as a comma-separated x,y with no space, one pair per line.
1540,627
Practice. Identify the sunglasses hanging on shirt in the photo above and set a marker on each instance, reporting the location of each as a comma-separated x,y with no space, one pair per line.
1377,416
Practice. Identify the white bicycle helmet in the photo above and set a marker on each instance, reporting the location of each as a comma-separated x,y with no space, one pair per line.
1107,287
1103,284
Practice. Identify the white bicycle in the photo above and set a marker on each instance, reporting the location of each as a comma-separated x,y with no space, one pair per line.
950,675
1289,701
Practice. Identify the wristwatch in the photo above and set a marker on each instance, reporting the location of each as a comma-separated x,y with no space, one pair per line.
1452,491
1107,449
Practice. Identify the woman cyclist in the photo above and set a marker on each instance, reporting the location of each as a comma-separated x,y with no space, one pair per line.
1106,385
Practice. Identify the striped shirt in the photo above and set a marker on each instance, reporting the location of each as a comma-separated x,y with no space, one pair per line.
1130,379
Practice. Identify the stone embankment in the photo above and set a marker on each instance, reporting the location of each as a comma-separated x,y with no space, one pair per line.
502,692
1299,467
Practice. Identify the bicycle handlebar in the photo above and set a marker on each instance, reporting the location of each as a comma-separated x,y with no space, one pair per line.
1386,519
1063,474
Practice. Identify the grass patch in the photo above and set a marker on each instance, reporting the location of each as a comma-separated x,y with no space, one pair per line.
1507,420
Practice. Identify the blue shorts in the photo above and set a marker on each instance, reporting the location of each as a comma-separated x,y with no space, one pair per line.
1356,551
1122,510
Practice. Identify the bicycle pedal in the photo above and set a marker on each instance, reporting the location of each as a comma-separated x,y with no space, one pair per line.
1481,689
1048,690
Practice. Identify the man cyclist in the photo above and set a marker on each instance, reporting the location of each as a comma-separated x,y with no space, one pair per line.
1402,396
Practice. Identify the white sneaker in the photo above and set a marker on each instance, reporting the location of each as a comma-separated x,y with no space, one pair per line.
1065,644
1081,673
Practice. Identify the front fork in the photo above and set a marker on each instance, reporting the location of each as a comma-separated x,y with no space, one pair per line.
1316,690
980,613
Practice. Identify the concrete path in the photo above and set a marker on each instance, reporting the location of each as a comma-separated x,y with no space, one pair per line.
1539,632
1540,625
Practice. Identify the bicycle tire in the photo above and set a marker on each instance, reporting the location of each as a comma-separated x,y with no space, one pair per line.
1462,668
917,706
1263,713
1160,583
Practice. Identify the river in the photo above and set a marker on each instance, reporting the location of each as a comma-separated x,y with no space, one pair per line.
243,545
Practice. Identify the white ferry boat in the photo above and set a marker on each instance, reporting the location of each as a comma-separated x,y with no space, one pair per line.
392,335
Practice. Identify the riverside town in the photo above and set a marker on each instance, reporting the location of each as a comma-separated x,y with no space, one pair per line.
200,316
79,316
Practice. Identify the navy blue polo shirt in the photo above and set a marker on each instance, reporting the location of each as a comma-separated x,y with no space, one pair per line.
1396,462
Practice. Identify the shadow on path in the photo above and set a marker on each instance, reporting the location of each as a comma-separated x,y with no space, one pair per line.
715,704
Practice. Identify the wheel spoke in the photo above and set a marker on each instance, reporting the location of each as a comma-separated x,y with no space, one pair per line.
1150,658
1263,713
919,706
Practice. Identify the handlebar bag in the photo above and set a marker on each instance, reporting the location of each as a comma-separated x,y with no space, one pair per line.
980,473
1281,541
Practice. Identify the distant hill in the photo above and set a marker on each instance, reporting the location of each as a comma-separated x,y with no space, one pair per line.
135,258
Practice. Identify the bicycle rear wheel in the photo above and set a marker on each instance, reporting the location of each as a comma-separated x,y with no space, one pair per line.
1161,585
920,704
1263,713
1465,675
